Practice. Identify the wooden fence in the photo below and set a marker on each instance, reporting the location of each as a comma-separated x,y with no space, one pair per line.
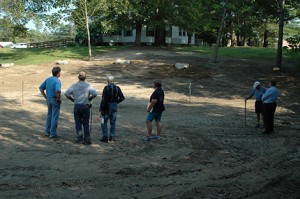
52,44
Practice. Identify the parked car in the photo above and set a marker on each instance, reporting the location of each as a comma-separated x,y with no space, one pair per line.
7,44
21,45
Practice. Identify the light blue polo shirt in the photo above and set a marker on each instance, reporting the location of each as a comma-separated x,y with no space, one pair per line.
51,85
271,95
258,93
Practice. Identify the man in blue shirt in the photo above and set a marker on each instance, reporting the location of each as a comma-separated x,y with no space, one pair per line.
81,93
258,91
111,96
52,85
269,99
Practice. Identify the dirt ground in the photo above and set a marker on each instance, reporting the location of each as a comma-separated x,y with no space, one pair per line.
206,150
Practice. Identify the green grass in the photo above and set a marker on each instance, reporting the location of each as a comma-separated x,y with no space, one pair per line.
243,52
38,56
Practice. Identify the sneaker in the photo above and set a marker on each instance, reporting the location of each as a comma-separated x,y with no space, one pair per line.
111,139
86,142
78,141
103,140
54,136
146,138
155,137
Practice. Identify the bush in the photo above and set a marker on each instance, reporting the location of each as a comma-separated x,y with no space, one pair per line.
294,43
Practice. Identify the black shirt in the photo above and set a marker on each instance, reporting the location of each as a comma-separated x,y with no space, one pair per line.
159,95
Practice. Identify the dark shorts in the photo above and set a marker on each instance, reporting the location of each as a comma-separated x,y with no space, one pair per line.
259,107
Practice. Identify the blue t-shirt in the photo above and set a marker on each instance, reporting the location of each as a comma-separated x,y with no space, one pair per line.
51,85
258,93
271,95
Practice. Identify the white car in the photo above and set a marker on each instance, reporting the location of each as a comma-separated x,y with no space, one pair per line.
7,44
21,45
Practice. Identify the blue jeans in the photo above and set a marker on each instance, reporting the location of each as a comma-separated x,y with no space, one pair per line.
112,117
52,117
82,117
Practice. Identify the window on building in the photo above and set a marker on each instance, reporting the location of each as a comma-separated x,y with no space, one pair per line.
149,32
182,32
116,33
169,31
127,33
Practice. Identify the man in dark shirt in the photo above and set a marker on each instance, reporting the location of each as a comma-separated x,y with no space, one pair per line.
155,109
111,96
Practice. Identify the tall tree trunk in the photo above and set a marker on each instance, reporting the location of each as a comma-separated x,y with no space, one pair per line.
160,36
266,40
189,38
215,58
138,35
88,31
280,36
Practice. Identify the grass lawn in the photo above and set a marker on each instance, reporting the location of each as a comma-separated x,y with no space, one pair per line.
38,56
244,52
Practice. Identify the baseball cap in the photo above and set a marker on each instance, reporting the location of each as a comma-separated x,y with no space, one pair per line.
256,84
110,78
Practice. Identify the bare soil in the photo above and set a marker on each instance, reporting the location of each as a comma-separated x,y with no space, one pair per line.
207,150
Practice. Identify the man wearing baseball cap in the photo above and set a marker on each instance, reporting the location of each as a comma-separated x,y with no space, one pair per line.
81,93
258,92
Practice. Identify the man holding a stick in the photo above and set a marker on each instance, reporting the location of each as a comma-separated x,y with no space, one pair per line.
81,93
257,91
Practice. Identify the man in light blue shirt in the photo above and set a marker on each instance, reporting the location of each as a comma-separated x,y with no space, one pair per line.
269,99
52,85
81,93
258,91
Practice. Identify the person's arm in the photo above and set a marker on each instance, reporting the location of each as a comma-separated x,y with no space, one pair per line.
151,105
58,96
43,93
70,98
251,95
93,94
121,97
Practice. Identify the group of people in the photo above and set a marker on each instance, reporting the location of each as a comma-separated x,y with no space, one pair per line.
82,93
265,104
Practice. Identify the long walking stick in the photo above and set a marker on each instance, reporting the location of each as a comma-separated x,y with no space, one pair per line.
245,112
91,115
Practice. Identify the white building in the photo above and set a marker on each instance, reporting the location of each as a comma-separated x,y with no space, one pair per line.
174,35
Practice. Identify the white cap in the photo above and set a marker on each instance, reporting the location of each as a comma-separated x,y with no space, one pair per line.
110,78
256,84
